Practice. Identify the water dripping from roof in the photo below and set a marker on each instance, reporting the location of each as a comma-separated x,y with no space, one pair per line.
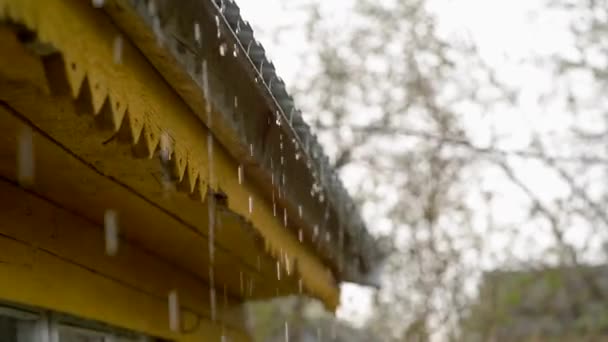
211,227
278,118
217,25
197,32
110,225
117,49
173,301
98,3
25,157
223,49
285,217
278,270
212,293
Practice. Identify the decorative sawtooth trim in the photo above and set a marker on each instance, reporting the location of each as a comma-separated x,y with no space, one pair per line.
88,70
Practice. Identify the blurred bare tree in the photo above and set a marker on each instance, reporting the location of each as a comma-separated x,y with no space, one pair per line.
412,115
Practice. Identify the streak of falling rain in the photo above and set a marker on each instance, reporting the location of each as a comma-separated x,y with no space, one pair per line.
211,227
206,92
278,270
300,210
278,119
212,293
110,224
217,25
25,157
236,102
235,51
223,49
297,155
251,149
286,331
173,300
300,287
118,49
240,173
250,204
197,32
285,217
301,235
98,3
287,267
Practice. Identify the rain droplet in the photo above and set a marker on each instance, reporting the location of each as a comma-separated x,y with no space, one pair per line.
251,149
197,32
173,300
25,157
286,331
240,173
212,293
278,119
278,271
301,235
274,206
217,24
151,7
223,49
98,3
110,224
300,211
165,147
297,155
118,49
315,231
250,204
211,224
235,51
236,102
284,217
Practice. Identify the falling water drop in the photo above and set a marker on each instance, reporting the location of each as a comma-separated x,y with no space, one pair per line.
236,102
278,271
110,223
118,49
286,331
223,49
235,51
301,235
251,149
297,155
173,300
25,157
250,204
211,224
197,32
240,173
274,206
278,119
217,25
212,293
300,210
315,231
98,3
285,217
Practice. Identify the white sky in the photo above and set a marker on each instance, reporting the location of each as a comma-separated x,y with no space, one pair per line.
506,32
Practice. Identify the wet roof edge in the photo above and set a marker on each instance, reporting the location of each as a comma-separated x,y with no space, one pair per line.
363,255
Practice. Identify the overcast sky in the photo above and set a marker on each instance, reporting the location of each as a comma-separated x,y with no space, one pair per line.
506,32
